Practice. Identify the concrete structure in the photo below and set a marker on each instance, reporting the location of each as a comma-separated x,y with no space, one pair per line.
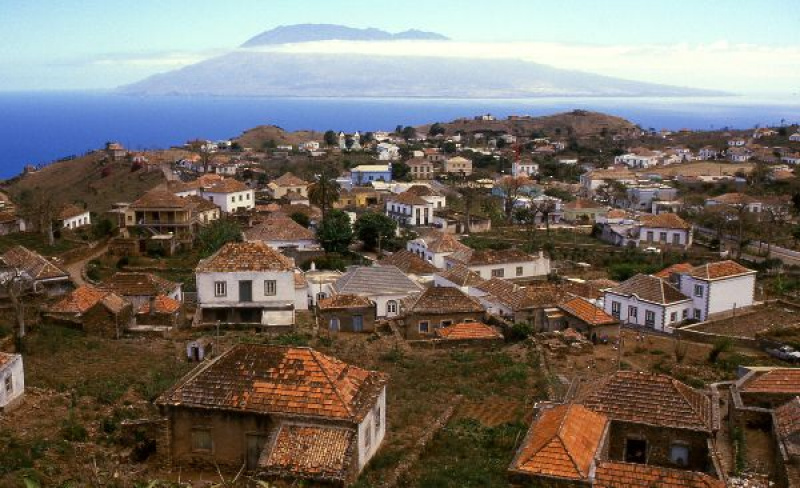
12,381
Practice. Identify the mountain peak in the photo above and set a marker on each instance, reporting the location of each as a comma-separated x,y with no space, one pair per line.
286,34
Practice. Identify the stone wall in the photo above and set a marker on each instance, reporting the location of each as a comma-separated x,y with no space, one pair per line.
659,441
411,322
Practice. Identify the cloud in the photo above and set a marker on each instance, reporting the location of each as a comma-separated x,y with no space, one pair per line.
160,60
722,65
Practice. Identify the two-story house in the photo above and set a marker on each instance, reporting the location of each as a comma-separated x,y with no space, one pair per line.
718,287
457,165
161,212
288,413
287,183
409,210
421,169
246,283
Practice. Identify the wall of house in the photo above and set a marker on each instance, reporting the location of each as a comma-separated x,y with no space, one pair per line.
730,293
230,202
78,221
14,368
100,321
296,244
684,236
373,425
284,287
659,441
345,317
381,302
435,321
663,313
530,269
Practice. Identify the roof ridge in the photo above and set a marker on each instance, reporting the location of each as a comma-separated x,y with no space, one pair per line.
327,377
561,439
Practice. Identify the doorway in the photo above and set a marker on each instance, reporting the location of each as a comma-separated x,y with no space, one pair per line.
255,444
245,291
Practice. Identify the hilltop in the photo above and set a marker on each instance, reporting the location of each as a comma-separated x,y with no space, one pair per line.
331,32
580,123
257,136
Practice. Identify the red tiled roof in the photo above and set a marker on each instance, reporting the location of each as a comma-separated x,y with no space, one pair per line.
278,227
163,305
161,198
289,179
650,399
6,358
490,256
613,474
460,275
138,284
587,312
442,300
779,380
649,288
266,379
561,443
80,300
245,256
438,242
343,301
720,269
410,263
468,330
34,264
407,198
665,273
664,221
69,211
226,185
787,426
306,451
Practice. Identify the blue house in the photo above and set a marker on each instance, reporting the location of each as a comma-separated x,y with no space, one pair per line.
367,173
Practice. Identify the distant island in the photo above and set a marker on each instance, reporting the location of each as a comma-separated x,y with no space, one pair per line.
259,70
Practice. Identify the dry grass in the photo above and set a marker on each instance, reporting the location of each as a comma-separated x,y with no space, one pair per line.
702,168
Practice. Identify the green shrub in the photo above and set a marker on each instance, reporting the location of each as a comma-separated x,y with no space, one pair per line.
73,431
721,345
520,331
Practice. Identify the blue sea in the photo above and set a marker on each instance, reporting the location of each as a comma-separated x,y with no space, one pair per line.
38,128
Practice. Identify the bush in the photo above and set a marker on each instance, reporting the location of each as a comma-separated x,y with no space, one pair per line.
520,331
721,345
73,431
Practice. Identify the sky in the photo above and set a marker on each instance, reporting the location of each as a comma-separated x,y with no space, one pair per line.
743,46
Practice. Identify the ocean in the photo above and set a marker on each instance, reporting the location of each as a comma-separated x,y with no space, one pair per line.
37,128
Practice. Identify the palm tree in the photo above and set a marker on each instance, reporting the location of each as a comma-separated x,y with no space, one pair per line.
324,192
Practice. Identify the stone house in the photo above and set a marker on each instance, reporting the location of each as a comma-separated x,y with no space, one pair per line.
421,169
469,334
161,311
532,304
786,434
438,307
281,412
385,286
246,283
95,311
654,420
457,166
12,381
48,277
584,316
648,301
346,313
141,288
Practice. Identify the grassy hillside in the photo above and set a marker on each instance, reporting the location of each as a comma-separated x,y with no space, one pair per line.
87,181
257,136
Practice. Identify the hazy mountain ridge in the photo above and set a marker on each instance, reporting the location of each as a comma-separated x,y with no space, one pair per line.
287,34
275,74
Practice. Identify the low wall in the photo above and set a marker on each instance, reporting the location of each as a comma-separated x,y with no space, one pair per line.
690,334
455,343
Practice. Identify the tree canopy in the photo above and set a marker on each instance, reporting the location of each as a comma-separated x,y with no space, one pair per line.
334,232
373,227
217,234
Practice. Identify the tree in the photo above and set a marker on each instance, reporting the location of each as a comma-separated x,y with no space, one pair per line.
301,219
216,234
409,133
374,228
334,232
331,139
544,207
512,187
39,208
449,147
201,147
15,283
436,129
401,171
324,192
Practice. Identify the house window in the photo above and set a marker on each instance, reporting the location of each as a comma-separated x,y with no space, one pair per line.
220,288
248,196
334,324
391,306
649,236
446,323
241,197
233,199
201,440
615,309
320,295
685,313
698,291
9,384
676,239
424,327
679,454
270,288
498,273
662,237
649,318
633,312
697,313
636,451
377,419
673,317
519,270
367,436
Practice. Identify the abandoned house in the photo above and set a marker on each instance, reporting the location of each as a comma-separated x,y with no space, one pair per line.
584,316
346,313
47,276
436,308
140,288
161,312
281,412
95,311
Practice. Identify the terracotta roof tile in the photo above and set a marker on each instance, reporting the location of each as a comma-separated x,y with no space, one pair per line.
139,284
720,269
163,305
664,221
34,264
6,358
587,312
80,300
665,273
439,242
649,288
69,211
300,281
278,227
226,185
787,426
289,179
612,474
245,256
650,399
442,300
343,301
408,262
460,275
407,198
561,443
266,379
161,198
305,451
468,330
779,380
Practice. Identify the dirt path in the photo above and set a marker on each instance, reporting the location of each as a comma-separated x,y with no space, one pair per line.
76,269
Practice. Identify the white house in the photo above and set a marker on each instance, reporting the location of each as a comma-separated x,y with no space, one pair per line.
641,197
707,152
438,200
383,285
12,380
308,146
509,264
230,195
72,217
795,137
647,301
595,178
633,160
664,229
524,167
718,287
739,154
736,142
410,210
246,282
434,246
388,151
